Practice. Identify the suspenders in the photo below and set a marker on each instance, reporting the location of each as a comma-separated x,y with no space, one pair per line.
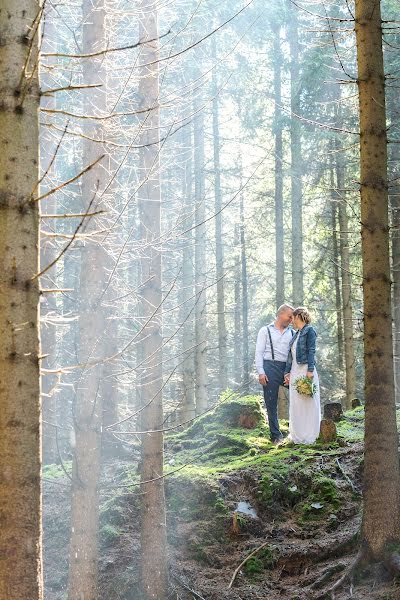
272,346
270,341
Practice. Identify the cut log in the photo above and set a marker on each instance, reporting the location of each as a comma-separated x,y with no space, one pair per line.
327,432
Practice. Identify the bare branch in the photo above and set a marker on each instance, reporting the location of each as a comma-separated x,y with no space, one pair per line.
105,51
65,183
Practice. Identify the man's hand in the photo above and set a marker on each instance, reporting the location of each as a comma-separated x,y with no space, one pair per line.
286,379
263,379
310,374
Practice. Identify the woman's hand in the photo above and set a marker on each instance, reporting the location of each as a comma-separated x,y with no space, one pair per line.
310,374
286,379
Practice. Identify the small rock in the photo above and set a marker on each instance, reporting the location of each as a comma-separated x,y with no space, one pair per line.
333,411
355,402
327,432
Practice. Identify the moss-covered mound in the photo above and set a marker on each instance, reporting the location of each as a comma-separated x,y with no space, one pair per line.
234,430
305,500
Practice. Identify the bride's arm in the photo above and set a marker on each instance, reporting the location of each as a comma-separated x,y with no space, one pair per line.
311,346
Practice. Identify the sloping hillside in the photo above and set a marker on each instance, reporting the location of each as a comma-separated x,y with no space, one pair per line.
230,491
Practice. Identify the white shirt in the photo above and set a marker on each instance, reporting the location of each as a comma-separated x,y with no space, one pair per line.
280,342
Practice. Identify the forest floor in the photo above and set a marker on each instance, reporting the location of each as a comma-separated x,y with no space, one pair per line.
236,493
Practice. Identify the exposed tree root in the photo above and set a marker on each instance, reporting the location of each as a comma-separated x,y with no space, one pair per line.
391,562
319,583
347,577
187,588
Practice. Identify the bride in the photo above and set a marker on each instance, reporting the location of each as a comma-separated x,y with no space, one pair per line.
304,411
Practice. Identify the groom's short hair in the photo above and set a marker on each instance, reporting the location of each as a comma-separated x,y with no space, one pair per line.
284,308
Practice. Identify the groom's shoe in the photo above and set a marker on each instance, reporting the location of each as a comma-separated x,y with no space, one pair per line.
277,441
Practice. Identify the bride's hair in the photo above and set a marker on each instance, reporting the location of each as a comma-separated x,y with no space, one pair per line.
303,313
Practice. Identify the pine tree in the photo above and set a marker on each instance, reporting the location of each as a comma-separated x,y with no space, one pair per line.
20,436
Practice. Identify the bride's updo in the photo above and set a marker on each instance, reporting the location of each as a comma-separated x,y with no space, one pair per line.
303,314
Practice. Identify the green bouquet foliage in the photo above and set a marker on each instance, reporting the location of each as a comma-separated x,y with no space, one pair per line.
305,386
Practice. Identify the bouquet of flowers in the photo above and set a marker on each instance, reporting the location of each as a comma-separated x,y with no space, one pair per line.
305,386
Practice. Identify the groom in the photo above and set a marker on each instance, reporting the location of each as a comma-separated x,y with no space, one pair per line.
271,353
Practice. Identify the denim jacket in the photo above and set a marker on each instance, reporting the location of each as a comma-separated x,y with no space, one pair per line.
305,351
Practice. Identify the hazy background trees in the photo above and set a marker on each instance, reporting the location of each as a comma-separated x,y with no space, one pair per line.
189,184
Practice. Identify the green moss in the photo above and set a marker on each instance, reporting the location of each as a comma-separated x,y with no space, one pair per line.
220,507
351,427
191,497
322,499
113,510
109,533
266,558
56,471
254,565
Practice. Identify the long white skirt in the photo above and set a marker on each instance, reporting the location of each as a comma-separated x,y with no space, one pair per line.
304,411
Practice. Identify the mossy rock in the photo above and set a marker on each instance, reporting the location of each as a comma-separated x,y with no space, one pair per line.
232,411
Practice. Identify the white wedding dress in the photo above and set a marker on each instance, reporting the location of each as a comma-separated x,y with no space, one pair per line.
304,411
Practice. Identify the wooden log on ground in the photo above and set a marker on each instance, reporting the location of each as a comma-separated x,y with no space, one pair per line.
327,432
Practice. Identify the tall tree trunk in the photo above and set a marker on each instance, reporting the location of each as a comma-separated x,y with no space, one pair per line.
245,300
279,231
154,574
395,229
20,438
237,345
219,251
349,356
296,162
200,262
380,524
48,304
88,403
188,409
336,273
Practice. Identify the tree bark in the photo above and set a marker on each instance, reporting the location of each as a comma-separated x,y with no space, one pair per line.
296,162
219,249
245,301
20,435
237,350
200,262
279,231
395,238
380,524
154,574
87,407
349,356
188,409
336,276
48,304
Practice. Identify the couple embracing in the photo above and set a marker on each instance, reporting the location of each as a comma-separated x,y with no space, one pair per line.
285,354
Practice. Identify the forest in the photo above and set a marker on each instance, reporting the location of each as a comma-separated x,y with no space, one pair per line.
199,299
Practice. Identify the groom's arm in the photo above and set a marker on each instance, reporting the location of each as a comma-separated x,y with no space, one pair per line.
260,348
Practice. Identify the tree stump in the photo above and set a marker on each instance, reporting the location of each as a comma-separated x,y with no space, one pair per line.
355,402
327,432
333,411
248,421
